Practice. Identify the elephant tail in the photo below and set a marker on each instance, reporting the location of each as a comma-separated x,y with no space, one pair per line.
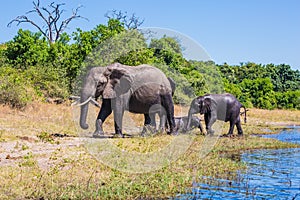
244,113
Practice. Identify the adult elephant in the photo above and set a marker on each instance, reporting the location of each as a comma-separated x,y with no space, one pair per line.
133,88
223,107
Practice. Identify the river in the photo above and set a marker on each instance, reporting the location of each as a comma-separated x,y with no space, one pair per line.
271,174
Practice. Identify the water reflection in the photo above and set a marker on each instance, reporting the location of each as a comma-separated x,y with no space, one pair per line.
271,174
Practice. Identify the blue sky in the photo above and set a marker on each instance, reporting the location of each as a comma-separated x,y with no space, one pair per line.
232,31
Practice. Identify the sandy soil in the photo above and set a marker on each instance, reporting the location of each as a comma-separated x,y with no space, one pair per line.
13,153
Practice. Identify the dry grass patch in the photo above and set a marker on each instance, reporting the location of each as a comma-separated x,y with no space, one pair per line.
42,166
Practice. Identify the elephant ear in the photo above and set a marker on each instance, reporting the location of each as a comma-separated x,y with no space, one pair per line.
101,81
119,81
207,105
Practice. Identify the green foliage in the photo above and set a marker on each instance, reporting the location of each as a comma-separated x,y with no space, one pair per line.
168,44
263,86
232,88
87,41
184,92
283,77
117,47
138,57
288,99
211,79
47,81
15,89
20,87
26,49
260,92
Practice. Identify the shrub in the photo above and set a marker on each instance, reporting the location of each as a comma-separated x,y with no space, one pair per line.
14,88
20,87
48,81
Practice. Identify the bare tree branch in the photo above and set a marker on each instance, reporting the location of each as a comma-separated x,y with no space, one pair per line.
53,26
130,22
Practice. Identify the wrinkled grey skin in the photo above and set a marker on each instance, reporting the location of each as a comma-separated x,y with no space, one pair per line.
181,123
224,107
122,87
161,114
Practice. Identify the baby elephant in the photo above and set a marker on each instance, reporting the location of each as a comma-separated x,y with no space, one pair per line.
181,122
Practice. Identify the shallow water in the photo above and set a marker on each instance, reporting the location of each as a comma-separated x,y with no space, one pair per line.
271,174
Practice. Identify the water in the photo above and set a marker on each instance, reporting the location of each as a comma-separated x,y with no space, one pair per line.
271,174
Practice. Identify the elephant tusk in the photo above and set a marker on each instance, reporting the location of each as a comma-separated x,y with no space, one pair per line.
74,103
95,103
83,103
74,98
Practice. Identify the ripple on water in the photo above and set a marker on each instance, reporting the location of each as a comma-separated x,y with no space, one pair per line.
271,174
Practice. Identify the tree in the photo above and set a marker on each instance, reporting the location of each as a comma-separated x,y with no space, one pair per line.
130,22
283,77
260,92
51,16
26,49
167,44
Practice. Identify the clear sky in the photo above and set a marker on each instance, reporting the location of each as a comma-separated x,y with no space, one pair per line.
232,31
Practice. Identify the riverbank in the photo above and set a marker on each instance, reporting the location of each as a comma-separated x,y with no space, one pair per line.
41,156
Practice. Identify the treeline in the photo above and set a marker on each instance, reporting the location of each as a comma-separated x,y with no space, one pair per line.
31,69
263,86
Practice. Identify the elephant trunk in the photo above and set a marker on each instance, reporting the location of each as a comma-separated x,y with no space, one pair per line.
83,113
188,124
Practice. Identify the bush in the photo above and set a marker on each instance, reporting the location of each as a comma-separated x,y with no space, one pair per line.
48,81
20,87
288,100
14,88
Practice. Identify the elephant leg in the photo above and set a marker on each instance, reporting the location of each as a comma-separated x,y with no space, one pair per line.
152,120
147,119
230,131
118,116
163,125
199,125
209,121
105,111
149,123
167,103
187,127
239,127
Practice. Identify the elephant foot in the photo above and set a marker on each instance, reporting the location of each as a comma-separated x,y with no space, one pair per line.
172,132
99,131
148,130
98,134
119,135
161,130
229,135
210,132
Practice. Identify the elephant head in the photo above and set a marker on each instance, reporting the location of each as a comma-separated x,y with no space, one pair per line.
93,87
202,104
107,82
